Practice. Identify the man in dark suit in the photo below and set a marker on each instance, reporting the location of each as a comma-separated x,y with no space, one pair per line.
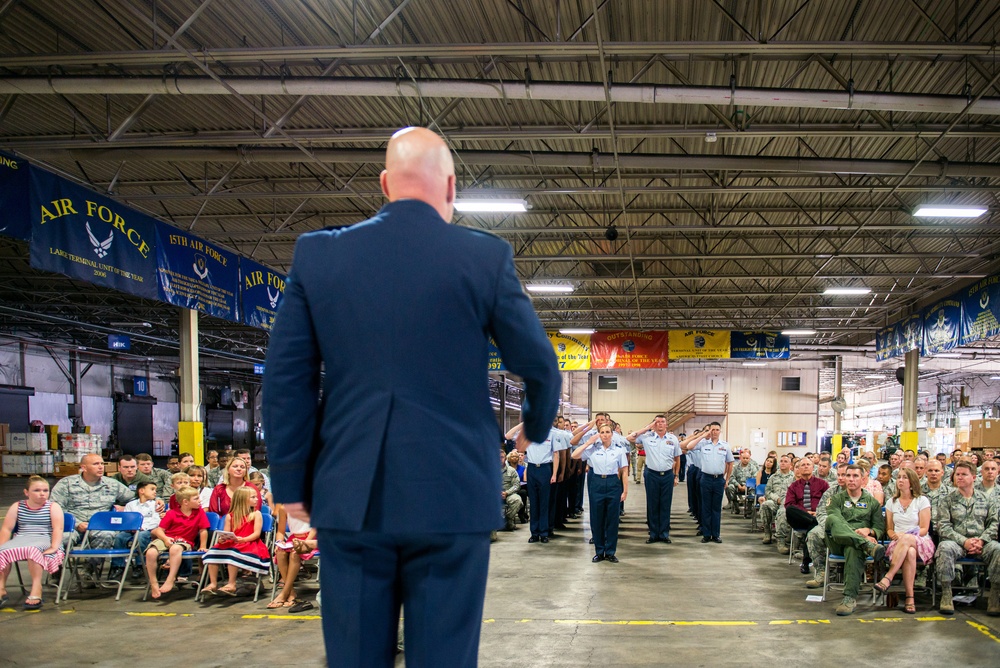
398,309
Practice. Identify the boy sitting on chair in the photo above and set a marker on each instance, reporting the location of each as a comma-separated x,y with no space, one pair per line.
177,533
145,505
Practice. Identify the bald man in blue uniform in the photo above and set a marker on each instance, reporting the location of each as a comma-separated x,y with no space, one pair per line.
398,311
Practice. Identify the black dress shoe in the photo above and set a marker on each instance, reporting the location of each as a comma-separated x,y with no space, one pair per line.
716,540
591,541
652,540
597,558
666,540
804,569
544,539
612,558
706,539
533,539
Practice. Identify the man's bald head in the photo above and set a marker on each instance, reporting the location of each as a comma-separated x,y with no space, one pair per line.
418,165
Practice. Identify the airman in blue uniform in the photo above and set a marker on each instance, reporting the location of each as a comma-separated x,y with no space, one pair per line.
715,459
662,466
608,488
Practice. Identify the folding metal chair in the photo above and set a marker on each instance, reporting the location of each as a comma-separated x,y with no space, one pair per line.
832,558
749,497
103,521
215,523
758,492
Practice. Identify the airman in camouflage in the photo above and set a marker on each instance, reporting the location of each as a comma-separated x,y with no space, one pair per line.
744,468
87,493
825,470
773,500
935,487
966,521
510,484
816,538
988,482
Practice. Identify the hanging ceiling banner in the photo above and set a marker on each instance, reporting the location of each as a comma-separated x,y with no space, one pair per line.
196,275
15,207
83,235
759,345
885,344
900,338
702,344
572,350
981,310
942,326
629,349
261,290
495,363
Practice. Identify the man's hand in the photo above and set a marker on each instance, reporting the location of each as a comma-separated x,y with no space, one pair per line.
503,495
119,509
624,495
560,478
81,527
553,480
161,507
861,532
298,511
973,545
522,442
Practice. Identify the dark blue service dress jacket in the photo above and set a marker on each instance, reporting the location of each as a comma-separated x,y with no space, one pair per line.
398,310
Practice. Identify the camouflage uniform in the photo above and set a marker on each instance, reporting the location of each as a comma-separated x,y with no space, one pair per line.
82,500
162,479
511,483
888,489
843,517
992,493
957,519
214,476
816,538
935,495
774,504
739,477
831,478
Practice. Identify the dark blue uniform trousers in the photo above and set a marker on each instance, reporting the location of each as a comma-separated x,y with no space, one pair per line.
683,472
554,490
539,494
712,491
439,579
605,494
694,493
659,499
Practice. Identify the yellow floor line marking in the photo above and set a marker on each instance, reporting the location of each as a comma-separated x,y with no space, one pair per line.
881,619
160,614
935,619
281,617
641,622
488,621
67,612
982,628
798,621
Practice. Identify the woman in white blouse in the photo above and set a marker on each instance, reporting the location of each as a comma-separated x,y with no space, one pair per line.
907,521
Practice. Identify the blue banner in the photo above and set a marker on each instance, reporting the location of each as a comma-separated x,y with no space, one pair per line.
15,216
759,345
981,310
495,363
900,338
942,326
261,290
83,235
196,275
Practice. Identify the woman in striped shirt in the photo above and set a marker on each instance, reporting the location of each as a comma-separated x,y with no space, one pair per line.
37,540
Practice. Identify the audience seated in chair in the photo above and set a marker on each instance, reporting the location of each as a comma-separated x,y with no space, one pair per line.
907,523
289,559
245,550
38,539
145,504
178,532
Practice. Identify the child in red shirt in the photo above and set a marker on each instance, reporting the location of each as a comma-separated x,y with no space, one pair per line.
178,531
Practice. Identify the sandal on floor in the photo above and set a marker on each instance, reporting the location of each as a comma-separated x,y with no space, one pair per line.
275,604
879,587
301,606
226,592
4,601
33,606
911,607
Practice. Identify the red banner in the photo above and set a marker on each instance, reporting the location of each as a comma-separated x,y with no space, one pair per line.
627,349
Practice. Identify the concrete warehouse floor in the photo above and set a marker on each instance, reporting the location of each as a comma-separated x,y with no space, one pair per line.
688,604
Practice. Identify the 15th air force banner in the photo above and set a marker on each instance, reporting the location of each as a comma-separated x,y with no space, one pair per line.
83,235
196,275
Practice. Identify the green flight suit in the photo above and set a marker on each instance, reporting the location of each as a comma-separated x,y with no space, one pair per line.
843,516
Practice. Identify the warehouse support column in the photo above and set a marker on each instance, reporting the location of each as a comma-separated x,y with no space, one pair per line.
190,432
911,377
837,441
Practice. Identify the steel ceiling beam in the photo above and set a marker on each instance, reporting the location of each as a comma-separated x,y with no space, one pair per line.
517,50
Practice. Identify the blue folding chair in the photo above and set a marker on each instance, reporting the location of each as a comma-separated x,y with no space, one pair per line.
103,521
832,558
215,523
758,492
749,497
266,534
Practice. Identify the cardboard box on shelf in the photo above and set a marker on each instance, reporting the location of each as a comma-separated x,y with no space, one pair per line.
110,468
984,434
4,430
17,441
63,469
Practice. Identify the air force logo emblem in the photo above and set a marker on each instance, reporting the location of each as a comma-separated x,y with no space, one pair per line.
273,298
200,266
101,248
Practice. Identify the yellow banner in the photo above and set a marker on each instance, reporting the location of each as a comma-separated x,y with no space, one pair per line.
572,350
703,344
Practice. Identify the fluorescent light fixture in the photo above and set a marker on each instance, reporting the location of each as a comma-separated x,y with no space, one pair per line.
798,332
755,364
848,384
947,355
847,291
542,287
947,211
994,377
490,205
579,330
923,392
874,377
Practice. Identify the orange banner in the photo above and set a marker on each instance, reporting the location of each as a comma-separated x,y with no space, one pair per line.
629,349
